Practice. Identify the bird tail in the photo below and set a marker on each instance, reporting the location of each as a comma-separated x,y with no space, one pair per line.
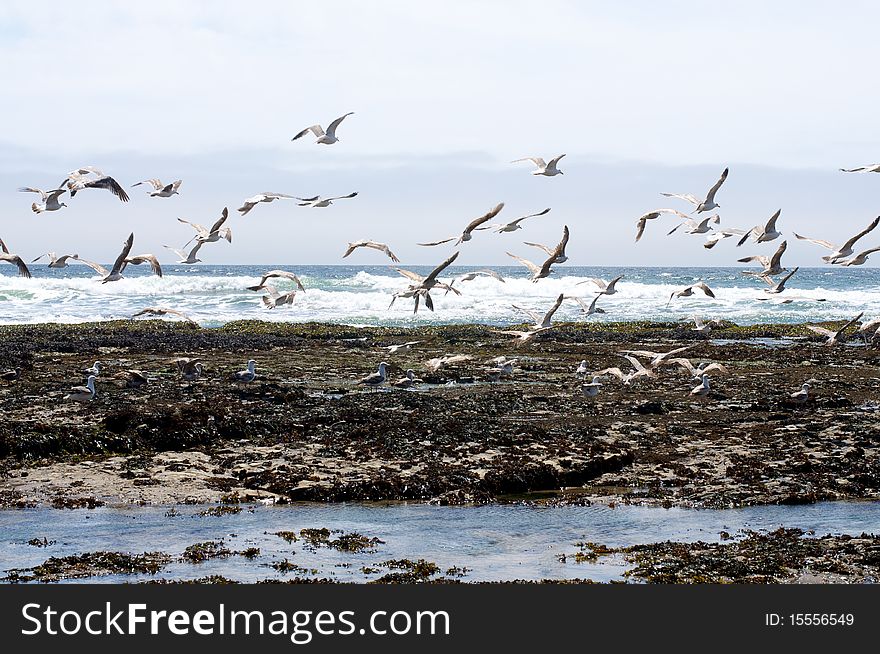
35,208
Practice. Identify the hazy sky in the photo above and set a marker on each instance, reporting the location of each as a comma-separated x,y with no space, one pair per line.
643,97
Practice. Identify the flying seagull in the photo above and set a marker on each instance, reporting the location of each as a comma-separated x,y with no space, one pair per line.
56,261
118,266
470,276
79,179
14,259
689,290
318,201
653,215
215,233
834,337
542,322
161,190
513,225
605,287
872,168
538,272
265,196
559,251
472,225
860,258
696,226
382,247
161,311
772,265
721,234
328,137
275,298
779,286
187,258
839,252
272,274
763,234
547,169
423,285
702,205
50,199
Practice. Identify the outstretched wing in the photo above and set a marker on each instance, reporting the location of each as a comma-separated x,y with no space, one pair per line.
710,196
331,129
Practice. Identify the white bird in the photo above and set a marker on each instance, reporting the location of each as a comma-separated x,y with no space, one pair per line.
834,337
653,215
698,371
248,375
558,253
545,168
326,138
700,326
115,274
860,258
605,287
187,257
14,259
504,368
689,290
466,234
779,286
83,393
588,309
274,298
56,261
772,265
161,311
839,252
445,361
50,199
802,395
215,233
639,370
318,201
470,276
406,381
871,168
161,190
272,274
702,205
592,389
423,285
151,259
869,329
265,196
719,235
703,389
377,378
95,370
393,349
513,225
542,322
696,226
582,369
79,179
657,358
763,234
382,247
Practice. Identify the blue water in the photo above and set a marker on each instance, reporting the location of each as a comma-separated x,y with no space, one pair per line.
360,295
496,542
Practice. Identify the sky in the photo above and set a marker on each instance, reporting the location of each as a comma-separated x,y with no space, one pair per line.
642,97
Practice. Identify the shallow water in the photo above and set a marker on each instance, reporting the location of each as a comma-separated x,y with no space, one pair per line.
496,542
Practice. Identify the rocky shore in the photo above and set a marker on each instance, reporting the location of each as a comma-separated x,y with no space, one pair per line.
305,430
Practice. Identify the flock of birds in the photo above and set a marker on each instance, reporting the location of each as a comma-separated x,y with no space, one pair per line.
420,286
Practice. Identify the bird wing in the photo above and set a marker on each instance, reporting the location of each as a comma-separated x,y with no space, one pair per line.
528,264
531,314
703,287
682,196
445,240
617,372
788,276
155,183
869,228
862,169
98,268
29,189
716,366
764,261
538,161
119,264
343,197
821,330
109,184
199,228
147,258
555,161
824,244
560,247
710,196
771,224
17,261
839,331
777,256
283,273
433,274
681,361
223,216
531,215
317,130
476,222
538,245
331,129
384,248
409,274
545,322
179,253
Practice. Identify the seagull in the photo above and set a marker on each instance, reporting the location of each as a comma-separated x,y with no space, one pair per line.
328,137
834,337
538,272
50,199
547,169
657,358
842,251
215,233
382,247
652,215
772,265
702,205
83,393
582,369
872,168
14,259
466,234
860,258
393,349
189,258
10,375
719,235
162,311
423,285
696,226
189,369
318,201
274,298
407,381
161,190
55,261
779,286
802,395
558,252
132,378
592,389
542,322
151,259
605,288
590,308
703,389
246,376
77,180
94,370
700,326
265,196
639,370
470,276
377,378
437,363
522,336
763,234
119,265
504,368
870,326
699,371
689,290
272,274
513,225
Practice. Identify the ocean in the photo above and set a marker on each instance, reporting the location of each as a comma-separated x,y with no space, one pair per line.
360,295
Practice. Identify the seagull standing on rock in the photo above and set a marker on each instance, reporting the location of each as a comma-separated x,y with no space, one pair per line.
246,376
376,379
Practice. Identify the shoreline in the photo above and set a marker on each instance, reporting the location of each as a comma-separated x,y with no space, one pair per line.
303,430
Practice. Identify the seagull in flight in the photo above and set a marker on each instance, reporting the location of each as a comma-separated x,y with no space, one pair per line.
423,285
56,261
834,337
161,190
466,234
872,168
721,234
14,259
187,258
382,247
605,287
265,196
559,251
779,286
860,258
161,311
696,226
839,252
79,179
118,266
274,298
326,138
689,290
653,215
470,276
273,274
318,201
588,309
513,225
538,272
772,265
702,205
763,234
542,322
545,168
50,199
215,233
